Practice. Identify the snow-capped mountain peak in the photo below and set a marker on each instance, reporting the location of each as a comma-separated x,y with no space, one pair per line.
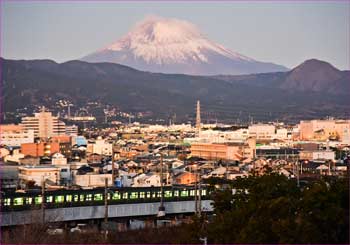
169,45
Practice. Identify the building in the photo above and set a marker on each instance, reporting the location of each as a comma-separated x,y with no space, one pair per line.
14,135
92,180
38,174
100,146
184,178
44,125
40,149
317,155
225,151
262,131
324,130
58,159
72,130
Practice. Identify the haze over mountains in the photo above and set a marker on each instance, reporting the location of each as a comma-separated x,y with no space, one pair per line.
175,46
313,89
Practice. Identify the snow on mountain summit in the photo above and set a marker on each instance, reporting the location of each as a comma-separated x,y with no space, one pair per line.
169,45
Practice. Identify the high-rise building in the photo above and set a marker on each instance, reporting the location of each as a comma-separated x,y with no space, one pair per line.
44,124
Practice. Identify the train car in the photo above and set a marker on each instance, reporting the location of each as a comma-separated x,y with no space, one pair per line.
15,201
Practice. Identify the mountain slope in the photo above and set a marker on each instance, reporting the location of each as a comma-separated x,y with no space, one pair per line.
311,76
44,82
174,46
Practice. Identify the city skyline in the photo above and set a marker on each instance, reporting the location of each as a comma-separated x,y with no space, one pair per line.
288,32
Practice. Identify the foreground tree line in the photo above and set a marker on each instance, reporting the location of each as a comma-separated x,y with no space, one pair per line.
262,209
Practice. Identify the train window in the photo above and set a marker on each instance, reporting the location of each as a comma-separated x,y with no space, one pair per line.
154,194
88,197
7,202
184,193
148,194
29,200
142,194
18,201
49,199
192,193
76,198
133,195
69,198
59,199
81,198
204,192
125,195
38,200
176,193
168,194
116,196
98,197
159,194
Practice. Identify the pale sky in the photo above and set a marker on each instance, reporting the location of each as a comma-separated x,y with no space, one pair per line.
282,32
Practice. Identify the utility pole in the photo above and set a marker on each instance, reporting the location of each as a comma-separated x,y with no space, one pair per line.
199,196
113,170
43,199
161,210
106,208
195,194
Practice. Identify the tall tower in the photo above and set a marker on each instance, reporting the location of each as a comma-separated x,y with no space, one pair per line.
198,118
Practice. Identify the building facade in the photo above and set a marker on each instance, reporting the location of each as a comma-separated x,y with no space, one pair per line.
44,125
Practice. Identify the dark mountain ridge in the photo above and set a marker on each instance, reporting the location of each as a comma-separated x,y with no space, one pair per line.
264,96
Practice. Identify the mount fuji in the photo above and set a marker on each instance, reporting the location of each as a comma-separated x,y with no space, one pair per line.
166,45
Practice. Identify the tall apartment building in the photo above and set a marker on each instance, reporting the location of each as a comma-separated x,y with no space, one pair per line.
44,125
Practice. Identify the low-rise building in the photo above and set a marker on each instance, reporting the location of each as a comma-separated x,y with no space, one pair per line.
14,135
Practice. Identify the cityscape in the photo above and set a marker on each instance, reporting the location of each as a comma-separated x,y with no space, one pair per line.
168,137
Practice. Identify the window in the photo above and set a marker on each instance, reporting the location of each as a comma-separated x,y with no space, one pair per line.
98,197
142,194
159,194
168,194
125,195
133,195
176,193
64,170
49,199
148,194
18,201
7,202
154,194
76,198
29,200
116,196
68,198
59,199
38,200
204,192
88,197
192,193
82,198
184,193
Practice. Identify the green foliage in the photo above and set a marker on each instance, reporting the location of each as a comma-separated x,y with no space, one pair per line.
272,209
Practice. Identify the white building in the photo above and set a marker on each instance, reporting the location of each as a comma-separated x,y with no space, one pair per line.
72,130
317,155
50,174
100,146
15,135
262,131
44,125
92,180
146,180
58,159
